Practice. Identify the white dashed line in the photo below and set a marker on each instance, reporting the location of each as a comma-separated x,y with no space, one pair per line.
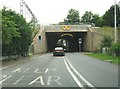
5,79
19,70
19,80
26,69
36,71
4,67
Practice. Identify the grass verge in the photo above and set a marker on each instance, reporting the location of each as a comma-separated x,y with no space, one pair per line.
105,57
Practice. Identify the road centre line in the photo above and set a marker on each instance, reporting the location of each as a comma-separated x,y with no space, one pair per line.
74,77
5,79
80,76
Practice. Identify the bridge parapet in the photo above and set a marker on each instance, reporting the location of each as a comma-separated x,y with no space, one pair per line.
72,28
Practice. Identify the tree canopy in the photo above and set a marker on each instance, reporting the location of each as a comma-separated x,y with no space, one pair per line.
16,33
72,18
88,17
109,16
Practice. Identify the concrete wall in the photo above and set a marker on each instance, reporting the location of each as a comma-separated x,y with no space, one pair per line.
92,40
38,46
88,41
97,37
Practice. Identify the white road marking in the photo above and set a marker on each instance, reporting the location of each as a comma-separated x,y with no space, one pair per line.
19,70
46,70
80,76
40,78
36,71
3,76
4,67
49,69
5,79
26,69
53,79
74,77
19,80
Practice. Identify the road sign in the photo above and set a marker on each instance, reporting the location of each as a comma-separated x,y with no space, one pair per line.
80,40
66,27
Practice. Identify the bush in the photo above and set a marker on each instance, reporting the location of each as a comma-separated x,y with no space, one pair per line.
116,49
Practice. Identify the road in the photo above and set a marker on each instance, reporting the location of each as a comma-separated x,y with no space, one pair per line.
71,70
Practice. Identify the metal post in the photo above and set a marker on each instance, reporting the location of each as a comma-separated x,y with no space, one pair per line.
21,8
80,42
115,33
79,47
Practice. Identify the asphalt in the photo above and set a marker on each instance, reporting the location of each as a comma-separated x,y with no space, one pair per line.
71,70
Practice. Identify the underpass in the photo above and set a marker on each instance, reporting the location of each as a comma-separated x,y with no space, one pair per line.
73,38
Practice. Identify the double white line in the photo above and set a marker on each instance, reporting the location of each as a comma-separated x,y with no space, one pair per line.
70,68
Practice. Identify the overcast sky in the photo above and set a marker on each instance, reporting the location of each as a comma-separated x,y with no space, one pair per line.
54,11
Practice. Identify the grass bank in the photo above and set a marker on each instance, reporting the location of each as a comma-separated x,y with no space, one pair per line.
105,57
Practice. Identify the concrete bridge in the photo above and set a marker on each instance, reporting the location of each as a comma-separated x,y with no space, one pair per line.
48,36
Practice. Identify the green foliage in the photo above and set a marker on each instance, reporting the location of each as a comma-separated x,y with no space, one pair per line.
16,33
116,48
73,18
106,41
109,16
105,57
107,31
9,29
107,36
87,17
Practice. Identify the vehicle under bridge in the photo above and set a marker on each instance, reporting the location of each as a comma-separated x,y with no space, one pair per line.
68,40
73,38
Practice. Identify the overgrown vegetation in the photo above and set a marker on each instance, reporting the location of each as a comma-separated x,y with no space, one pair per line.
16,34
106,57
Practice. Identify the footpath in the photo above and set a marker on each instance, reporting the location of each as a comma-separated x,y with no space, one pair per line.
7,63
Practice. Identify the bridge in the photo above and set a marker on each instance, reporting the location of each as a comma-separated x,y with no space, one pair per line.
74,38
48,37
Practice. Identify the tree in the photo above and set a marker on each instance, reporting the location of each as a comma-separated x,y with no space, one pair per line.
87,17
72,18
9,31
109,16
17,33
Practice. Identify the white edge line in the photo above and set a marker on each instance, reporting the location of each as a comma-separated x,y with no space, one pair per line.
80,76
74,77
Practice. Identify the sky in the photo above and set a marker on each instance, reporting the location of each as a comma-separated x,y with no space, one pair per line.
55,11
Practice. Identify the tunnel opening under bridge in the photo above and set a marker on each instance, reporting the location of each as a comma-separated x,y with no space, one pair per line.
68,40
